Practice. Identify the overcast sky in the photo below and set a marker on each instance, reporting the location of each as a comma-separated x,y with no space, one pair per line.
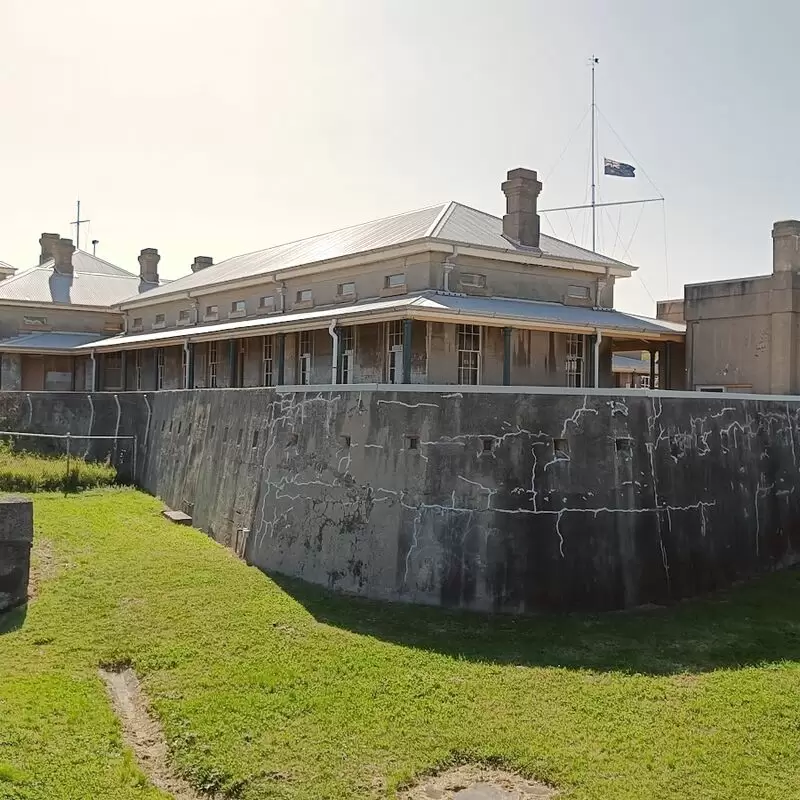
216,128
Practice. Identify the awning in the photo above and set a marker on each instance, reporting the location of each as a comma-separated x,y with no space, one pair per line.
49,342
431,306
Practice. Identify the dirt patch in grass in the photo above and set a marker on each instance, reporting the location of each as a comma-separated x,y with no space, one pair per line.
44,566
474,782
143,734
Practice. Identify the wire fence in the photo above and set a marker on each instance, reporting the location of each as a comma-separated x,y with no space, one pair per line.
122,452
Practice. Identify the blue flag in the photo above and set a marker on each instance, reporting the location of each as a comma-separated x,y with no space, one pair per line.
618,169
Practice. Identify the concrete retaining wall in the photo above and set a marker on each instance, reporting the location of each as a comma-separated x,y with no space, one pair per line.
16,539
491,500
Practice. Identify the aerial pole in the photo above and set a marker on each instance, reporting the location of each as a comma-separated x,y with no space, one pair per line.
77,223
594,61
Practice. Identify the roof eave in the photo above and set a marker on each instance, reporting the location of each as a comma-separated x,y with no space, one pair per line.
57,306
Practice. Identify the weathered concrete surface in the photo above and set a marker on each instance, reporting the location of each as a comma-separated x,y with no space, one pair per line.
482,500
16,540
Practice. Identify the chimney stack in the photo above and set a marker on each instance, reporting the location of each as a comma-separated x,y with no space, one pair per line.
201,262
148,265
521,222
786,246
46,241
62,254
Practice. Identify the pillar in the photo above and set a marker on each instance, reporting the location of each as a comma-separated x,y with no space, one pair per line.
281,358
407,351
124,368
507,356
232,377
190,369
653,352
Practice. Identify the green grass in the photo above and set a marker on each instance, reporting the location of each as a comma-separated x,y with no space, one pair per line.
279,690
30,472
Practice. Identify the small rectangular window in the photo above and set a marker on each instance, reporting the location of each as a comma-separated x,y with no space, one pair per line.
137,323
578,292
212,312
35,321
346,289
185,315
238,307
160,319
304,296
395,281
266,303
473,280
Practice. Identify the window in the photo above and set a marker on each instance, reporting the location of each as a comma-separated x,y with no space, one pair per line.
395,281
469,354
578,292
394,372
137,323
574,363
212,363
184,370
644,381
347,344
160,368
473,279
212,312
137,370
266,362
113,370
304,357
238,307
266,303
347,289
161,321
36,322
710,388
184,316
304,296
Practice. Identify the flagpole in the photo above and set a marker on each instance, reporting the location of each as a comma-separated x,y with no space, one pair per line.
594,185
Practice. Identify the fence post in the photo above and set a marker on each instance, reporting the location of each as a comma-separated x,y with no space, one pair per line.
66,482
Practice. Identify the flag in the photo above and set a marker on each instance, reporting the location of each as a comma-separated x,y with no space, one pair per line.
618,169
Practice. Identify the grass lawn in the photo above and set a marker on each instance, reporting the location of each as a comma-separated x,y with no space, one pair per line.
279,690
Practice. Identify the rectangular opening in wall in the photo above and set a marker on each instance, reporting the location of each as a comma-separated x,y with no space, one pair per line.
184,316
225,434
163,425
623,444
346,289
578,292
238,307
170,426
345,441
266,303
487,444
239,437
255,439
395,281
212,312
136,325
560,448
213,428
412,442
473,280
469,354
304,296
189,430
180,425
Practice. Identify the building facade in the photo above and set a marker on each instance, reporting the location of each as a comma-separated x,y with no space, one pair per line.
48,311
443,295
742,334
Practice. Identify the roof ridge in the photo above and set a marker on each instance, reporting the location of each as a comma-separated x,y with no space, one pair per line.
108,263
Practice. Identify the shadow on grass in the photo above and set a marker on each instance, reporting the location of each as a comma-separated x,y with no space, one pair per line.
749,625
13,619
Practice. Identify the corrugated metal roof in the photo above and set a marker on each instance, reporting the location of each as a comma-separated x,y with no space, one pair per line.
95,282
425,305
470,226
48,340
5,267
451,222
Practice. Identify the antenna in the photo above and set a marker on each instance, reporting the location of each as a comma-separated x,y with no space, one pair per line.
95,242
594,61
77,223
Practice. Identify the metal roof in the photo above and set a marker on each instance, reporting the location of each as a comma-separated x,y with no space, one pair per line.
448,222
428,305
95,282
4,267
48,341
628,364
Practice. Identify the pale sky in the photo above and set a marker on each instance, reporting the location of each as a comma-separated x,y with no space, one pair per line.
218,128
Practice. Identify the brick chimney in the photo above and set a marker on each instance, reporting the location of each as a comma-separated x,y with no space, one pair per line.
786,246
148,265
62,254
521,222
201,262
46,241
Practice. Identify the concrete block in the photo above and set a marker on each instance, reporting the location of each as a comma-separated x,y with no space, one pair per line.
178,517
16,539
